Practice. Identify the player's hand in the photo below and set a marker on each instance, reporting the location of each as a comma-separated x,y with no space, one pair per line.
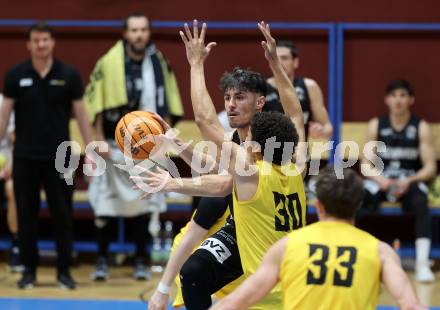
157,181
316,130
385,183
161,121
269,45
402,186
196,51
158,301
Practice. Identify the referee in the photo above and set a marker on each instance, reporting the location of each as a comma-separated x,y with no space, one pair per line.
43,92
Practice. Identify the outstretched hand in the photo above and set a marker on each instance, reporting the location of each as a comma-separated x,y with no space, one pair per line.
196,51
153,181
269,46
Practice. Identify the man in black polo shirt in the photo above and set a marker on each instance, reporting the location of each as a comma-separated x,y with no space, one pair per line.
43,93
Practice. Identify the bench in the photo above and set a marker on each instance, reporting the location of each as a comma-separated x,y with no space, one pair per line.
353,131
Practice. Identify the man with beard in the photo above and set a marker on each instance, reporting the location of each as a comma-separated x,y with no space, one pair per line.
132,75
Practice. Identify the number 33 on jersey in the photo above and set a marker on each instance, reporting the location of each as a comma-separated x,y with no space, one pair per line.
340,261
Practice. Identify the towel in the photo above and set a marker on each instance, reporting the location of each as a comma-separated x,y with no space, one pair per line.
107,87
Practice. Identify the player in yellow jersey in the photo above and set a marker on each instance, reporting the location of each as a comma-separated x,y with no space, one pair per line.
217,261
207,214
329,264
268,192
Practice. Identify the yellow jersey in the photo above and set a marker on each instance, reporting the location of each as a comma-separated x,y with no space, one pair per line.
277,208
330,265
178,299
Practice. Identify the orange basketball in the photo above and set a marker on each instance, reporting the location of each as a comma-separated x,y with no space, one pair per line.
136,133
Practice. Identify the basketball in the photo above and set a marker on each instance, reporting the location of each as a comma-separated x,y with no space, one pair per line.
136,133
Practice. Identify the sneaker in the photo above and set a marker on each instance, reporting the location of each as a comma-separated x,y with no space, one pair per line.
65,281
424,273
101,270
14,264
141,271
27,280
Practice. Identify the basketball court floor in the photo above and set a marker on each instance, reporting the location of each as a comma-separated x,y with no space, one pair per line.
120,292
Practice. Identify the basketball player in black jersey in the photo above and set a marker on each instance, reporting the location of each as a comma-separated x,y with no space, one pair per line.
316,121
409,161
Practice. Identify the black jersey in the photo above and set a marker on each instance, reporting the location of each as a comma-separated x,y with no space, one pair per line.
273,102
402,156
43,107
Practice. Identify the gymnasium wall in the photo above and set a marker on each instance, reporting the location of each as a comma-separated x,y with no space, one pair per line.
371,58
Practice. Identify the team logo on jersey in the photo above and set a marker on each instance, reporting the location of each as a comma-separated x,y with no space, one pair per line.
300,93
272,96
411,132
216,248
57,82
26,82
386,132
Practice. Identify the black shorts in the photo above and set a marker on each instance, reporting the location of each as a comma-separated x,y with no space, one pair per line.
221,255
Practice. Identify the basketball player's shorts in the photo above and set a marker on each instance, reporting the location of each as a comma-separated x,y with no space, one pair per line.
220,254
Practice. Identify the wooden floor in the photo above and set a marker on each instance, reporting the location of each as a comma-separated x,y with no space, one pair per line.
121,286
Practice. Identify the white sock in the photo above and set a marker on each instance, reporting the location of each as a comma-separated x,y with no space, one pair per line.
423,246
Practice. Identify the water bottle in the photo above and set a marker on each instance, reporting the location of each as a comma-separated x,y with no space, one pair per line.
396,246
167,241
392,193
156,254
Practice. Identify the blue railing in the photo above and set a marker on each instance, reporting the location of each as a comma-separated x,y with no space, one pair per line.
335,32
328,27
341,28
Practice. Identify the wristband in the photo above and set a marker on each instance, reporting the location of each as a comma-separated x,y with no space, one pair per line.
163,289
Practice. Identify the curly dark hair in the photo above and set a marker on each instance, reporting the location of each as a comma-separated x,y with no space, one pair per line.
341,197
243,80
266,125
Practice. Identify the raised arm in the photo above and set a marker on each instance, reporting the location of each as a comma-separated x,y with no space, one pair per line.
205,114
289,100
259,284
395,279
288,97
204,111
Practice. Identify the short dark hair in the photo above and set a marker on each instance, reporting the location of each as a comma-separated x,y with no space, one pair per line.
341,197
289,44
265,125
135,14
40,27
399,84
243,80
